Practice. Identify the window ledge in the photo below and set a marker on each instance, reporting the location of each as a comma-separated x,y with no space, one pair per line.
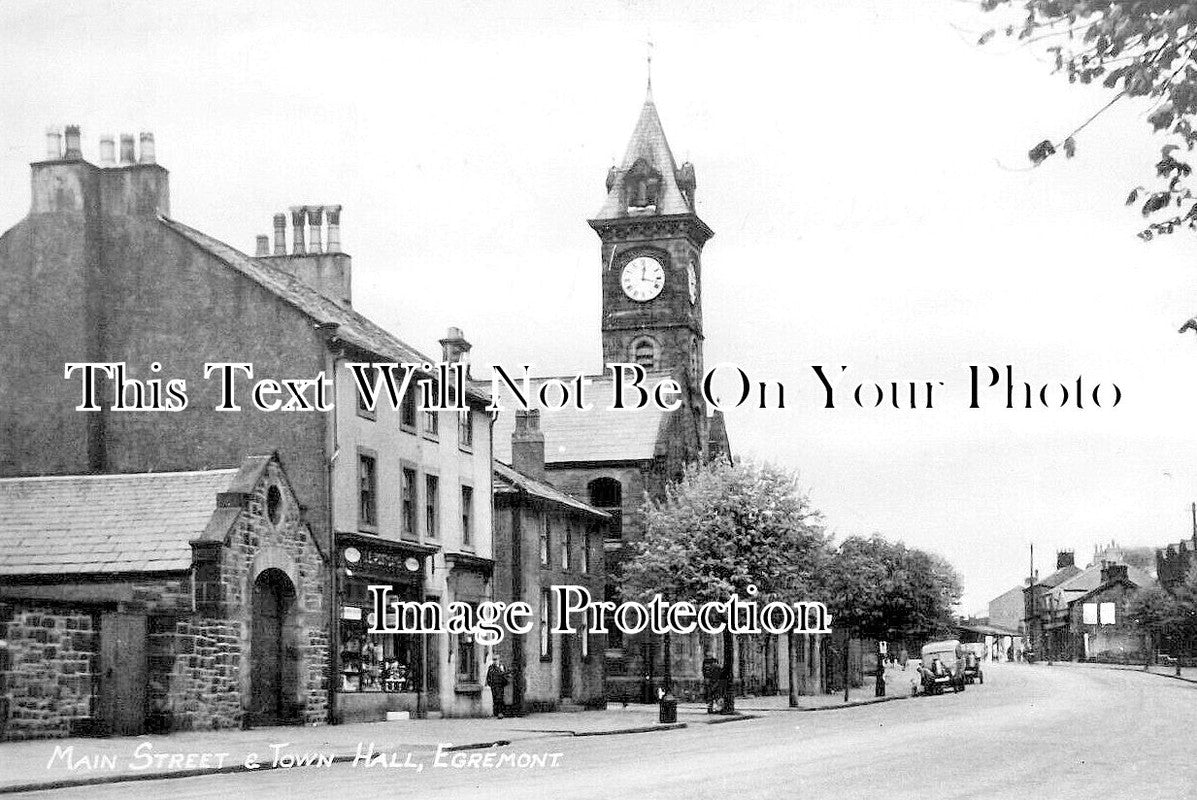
468,688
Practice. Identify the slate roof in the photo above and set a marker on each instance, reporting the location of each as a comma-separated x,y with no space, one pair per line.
508,479
105,523
1059,576
1090,578
648,142
600,433
351,326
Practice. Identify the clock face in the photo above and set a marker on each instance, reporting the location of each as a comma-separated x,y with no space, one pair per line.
642,279
693,282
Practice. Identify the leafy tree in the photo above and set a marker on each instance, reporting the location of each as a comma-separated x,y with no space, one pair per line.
882,590
1139,49
722,528
1155,611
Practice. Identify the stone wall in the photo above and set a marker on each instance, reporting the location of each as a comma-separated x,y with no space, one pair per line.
48,671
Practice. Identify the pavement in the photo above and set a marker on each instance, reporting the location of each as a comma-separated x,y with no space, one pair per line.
1029,731
59,763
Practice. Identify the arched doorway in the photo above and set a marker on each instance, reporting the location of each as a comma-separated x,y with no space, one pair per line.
273,604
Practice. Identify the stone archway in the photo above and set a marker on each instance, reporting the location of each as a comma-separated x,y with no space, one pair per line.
272,678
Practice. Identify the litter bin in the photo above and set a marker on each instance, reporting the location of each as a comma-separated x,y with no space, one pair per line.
668,705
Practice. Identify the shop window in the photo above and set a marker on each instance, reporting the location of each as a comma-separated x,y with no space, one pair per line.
367,478
546,641
408,504
467,657
467,516
432,490
374,662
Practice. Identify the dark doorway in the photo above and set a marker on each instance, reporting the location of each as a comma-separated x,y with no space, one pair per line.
273,601
567,667
123,676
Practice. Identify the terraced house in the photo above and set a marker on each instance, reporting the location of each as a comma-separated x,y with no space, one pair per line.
100,272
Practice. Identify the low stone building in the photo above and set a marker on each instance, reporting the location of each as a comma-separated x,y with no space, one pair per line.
1098,626
159,602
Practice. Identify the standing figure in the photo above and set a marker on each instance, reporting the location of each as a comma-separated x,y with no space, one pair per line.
712,676
497,679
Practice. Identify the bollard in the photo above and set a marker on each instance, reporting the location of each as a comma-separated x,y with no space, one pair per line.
668,711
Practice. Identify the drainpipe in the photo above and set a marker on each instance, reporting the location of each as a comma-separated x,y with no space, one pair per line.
331,450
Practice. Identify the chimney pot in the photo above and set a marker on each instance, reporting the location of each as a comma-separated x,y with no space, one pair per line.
280,234
263,245
53,144
315,220
73,148
127,156
333,215
298,217
147,155
107,150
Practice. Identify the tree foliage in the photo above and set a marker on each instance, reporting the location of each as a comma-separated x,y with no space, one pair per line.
881,589
1153,609
722,528
1135,49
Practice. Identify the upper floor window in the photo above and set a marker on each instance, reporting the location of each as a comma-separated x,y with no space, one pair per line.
371,376
567,543
465,428
544,542
432,490
432,423
408,503
607,494
644,352
408,408
467,515
367,479
584,562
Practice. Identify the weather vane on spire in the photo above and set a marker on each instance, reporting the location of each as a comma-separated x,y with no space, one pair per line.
649,59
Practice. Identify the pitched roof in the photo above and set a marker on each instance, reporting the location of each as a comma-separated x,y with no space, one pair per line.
648,142
508,479
1059,576
1090,578
351,326
105,523
599,433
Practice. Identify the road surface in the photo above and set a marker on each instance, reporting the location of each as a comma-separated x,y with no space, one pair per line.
1029,732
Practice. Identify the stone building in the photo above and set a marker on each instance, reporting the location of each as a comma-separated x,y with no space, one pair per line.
1098,627
159,602
548,538
98,271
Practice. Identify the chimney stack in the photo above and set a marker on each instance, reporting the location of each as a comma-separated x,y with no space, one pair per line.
1111,571
315,220
73,149
280,234
127,156
298,220
1065,558
53,144
333,214
263,245
527,444
454,347
107,150
147,155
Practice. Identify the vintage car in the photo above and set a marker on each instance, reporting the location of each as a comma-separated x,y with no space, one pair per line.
941,668
971,664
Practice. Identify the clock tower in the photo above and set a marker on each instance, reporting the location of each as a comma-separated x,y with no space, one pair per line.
652,242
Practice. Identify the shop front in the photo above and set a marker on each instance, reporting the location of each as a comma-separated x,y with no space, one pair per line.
377,673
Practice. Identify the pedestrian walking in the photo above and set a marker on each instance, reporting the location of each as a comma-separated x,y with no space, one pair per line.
712,675
497,679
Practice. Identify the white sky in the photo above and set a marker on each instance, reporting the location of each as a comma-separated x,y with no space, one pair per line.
862,164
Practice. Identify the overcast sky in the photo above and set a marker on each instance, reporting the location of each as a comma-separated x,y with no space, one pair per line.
863,165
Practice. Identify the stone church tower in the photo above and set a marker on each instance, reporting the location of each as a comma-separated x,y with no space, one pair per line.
652,242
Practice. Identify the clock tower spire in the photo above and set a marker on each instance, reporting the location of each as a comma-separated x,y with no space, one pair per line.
652,240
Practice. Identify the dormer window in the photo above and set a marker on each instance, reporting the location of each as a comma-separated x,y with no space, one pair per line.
643,185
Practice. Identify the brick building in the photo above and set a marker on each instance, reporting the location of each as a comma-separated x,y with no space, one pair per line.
549,538
159,602
99,272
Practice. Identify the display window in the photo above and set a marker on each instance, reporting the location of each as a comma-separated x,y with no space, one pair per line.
375,662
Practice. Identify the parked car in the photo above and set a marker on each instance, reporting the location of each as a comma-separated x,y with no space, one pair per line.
971,665
941,668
